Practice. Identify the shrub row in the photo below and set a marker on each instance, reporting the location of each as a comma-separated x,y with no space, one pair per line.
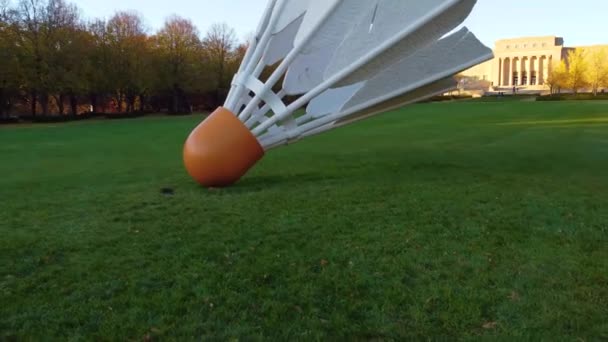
26,119
573,97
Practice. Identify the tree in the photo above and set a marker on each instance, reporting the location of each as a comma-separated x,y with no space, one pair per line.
558,78
98,69
48,37
4,11
597,73
577,70
32,52
180,49
129,58
66,53
9,65
218,47
52,61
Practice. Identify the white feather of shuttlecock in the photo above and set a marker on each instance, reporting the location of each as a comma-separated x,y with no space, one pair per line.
345,60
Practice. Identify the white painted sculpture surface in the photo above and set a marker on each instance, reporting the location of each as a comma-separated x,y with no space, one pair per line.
339,61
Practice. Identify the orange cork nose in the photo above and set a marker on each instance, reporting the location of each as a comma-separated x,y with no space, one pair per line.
221,150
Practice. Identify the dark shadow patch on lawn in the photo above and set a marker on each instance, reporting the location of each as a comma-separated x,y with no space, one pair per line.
255,184
167,192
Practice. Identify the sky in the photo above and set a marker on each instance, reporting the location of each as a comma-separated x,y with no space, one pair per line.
582,22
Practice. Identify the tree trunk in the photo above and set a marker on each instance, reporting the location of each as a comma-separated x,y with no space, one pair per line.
44,103
74,104
142,103
93,99
8,105
131,103
60,103
34,95
104,105
175,103
119,103
185,102
2,103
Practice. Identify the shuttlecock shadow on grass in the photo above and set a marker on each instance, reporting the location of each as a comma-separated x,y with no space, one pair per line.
255,183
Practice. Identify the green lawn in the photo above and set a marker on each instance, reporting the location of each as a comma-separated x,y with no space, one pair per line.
441,221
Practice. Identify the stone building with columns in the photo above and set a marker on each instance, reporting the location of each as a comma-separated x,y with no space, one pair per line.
524,63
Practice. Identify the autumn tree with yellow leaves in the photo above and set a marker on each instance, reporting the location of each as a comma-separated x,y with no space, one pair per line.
583,69
597,73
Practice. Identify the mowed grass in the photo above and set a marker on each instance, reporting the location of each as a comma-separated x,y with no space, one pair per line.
440,221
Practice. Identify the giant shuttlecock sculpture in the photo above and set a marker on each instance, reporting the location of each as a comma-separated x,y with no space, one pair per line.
341,61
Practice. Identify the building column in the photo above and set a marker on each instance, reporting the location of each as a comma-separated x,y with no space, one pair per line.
505,81
537,69
521,71
518,71
500,72
506,66
529,71
510,73
547,67
541,69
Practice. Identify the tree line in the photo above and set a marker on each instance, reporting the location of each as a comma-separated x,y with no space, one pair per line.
583,69
54,62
